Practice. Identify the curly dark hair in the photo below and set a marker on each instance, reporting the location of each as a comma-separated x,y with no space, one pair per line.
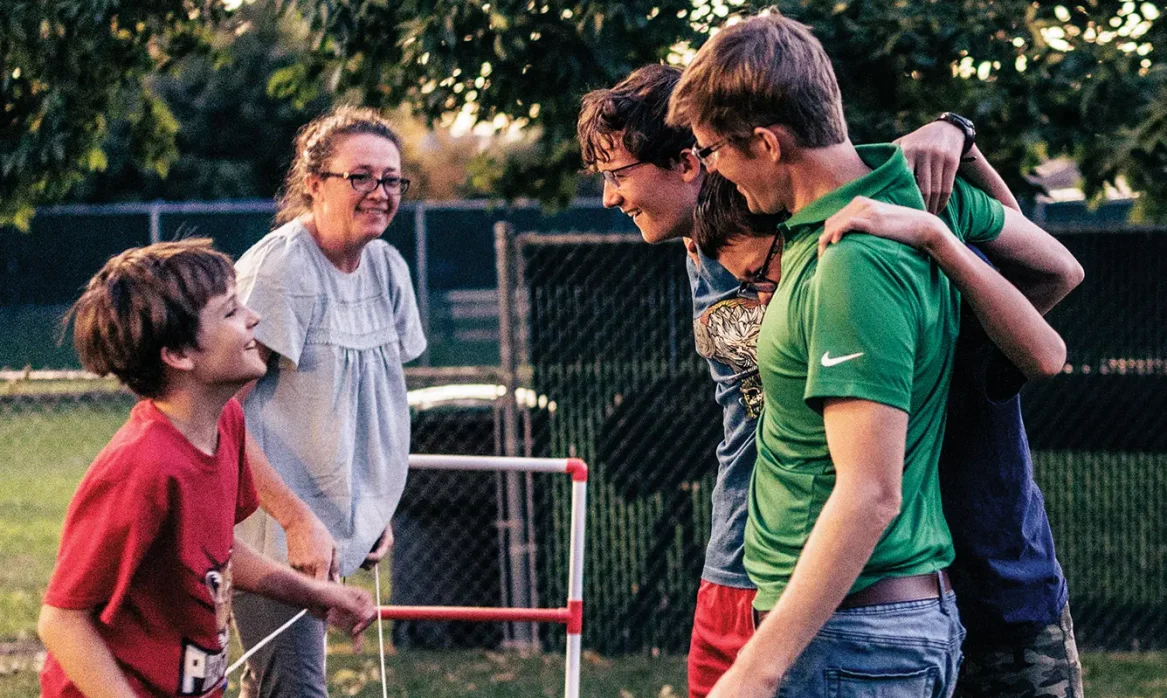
634,110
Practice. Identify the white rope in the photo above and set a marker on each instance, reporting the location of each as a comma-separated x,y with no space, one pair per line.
239,662
380,629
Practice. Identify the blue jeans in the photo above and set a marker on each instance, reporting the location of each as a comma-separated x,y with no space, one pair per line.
909,649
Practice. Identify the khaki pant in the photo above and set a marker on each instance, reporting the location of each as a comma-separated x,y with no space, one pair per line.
292,664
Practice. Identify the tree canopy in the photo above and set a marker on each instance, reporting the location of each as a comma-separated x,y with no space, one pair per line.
68,69
1041,79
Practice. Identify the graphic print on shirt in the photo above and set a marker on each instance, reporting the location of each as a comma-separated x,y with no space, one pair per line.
728,332
204,669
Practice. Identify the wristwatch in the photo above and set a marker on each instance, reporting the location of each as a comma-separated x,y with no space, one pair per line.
965,125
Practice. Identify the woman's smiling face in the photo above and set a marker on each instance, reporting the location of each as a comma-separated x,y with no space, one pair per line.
344,214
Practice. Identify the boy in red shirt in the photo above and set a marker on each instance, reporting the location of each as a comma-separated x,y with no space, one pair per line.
139,601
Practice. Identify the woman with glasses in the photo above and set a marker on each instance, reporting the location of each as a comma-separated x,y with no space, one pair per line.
339,319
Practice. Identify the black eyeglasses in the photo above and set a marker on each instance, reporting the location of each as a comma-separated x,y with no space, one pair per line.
704,155
613,176
365,183
759,282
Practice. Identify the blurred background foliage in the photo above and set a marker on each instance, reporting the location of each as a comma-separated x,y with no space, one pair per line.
198,99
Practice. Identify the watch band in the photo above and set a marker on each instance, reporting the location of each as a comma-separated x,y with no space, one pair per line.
965,125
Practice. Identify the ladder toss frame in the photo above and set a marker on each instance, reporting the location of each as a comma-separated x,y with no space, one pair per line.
572,614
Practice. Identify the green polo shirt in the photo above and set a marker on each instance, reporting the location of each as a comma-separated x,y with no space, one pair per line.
871,319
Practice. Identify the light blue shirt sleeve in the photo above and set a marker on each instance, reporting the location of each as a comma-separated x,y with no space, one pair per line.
407,319
283,300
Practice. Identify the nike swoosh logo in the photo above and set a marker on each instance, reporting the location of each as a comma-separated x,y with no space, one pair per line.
828,361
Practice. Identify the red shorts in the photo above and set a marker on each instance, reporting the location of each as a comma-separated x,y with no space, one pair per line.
722,624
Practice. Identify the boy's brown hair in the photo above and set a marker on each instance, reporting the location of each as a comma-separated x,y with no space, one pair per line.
143,300
722,215
766,70
634,109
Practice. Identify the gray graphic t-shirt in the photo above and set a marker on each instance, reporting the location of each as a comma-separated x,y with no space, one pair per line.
725,327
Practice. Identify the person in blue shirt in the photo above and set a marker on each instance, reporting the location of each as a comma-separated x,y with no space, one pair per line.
1010,588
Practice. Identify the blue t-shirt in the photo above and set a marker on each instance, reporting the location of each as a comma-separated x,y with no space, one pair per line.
725,327
1006,575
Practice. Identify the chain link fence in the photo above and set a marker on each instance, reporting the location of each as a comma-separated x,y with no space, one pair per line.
598,331
462,538
607,330
447,245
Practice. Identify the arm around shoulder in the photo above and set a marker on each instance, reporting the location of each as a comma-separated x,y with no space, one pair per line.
1040,266
1010,320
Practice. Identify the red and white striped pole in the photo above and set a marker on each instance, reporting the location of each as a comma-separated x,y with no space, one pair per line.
571,615
579,504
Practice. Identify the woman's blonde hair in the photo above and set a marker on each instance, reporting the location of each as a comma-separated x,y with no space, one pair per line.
315,144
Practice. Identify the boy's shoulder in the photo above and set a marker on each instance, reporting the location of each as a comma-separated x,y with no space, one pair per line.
971,214
148,446
138,459
862,256
144,444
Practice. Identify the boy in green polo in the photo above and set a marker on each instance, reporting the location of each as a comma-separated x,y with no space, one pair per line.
846,541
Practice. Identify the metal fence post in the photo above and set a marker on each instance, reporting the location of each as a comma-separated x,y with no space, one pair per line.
518,574
155,222
522,354
421,260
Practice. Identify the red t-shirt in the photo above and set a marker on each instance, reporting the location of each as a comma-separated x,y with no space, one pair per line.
147,543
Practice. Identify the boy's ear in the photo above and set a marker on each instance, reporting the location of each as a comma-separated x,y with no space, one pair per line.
177,359
690,166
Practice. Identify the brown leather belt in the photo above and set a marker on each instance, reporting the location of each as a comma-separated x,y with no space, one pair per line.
892,590
897,589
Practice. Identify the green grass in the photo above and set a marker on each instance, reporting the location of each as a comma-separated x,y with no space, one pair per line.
495,674
509,675
42,458
1125,674
465,673
45,449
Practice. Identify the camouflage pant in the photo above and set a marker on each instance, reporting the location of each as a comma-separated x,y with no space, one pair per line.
1042,665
